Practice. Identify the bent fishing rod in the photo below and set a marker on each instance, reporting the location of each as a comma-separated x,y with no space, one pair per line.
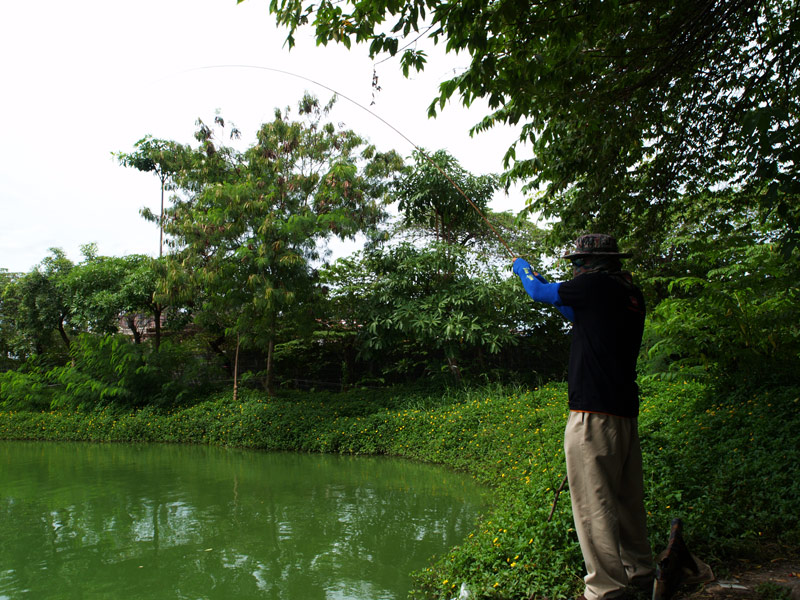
382,120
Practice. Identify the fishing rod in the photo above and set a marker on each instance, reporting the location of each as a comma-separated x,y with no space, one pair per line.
560,488
382,120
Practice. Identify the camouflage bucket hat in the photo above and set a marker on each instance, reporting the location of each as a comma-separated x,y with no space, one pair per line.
597,244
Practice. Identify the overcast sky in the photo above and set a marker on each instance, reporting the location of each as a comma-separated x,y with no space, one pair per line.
86,78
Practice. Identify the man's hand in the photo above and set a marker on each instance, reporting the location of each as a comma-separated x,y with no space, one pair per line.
523,269
520,264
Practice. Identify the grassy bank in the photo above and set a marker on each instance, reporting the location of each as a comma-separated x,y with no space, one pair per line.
729,466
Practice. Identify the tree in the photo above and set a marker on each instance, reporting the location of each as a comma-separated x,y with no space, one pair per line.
441,309
105,289
443,299
432,197
632,109
93,285
162,157
246,229
39,305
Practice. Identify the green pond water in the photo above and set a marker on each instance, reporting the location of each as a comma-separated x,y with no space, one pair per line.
90,521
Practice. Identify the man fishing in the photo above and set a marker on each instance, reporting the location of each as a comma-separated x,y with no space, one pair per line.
601,441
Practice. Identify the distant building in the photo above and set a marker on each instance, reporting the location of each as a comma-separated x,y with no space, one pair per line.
139,326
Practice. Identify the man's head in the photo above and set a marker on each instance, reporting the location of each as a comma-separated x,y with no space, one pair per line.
596,251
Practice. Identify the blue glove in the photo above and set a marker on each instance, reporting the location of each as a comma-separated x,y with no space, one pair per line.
537,288
536,285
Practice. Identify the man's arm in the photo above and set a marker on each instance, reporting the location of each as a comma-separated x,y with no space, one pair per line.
539,289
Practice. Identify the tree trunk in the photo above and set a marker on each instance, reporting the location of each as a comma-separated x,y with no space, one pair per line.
131,321
481,360
270,355
215,345
454,369
157,310
65,339
161,221
270,352
348,366
236,372
64,336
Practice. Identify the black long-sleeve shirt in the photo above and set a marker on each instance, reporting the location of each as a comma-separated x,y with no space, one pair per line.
606,337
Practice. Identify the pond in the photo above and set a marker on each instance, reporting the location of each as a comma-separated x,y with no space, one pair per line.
154,521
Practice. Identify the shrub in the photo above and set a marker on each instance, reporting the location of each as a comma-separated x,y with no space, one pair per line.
111,371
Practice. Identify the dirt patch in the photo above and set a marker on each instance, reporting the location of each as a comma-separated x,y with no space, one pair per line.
778,579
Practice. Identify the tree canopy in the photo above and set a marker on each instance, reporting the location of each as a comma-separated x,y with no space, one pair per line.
431,195
245,226
429,297
631,109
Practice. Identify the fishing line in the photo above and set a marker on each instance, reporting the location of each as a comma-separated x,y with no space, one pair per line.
429,159
377,116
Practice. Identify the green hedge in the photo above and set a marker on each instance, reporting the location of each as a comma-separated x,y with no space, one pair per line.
729,466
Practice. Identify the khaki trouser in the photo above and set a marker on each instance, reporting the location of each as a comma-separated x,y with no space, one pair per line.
604,466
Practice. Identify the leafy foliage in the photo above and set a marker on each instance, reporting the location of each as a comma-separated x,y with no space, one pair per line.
629,107
443,198
104,289
110,371
728,303
58,300
441,308
9,336
246,226
37,307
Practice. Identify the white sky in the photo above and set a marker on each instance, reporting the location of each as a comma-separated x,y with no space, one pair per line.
85,78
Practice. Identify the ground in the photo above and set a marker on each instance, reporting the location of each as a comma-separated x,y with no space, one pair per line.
778,579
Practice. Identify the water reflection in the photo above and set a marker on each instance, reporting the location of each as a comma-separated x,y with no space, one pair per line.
96,521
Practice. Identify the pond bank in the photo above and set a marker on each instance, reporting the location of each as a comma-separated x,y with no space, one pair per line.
708,460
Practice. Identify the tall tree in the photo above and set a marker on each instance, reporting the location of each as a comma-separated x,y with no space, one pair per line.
44,302
246,227
161,157
444,298
166,159
631,108
432,194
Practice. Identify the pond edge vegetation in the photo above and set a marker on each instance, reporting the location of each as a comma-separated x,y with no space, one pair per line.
726,463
